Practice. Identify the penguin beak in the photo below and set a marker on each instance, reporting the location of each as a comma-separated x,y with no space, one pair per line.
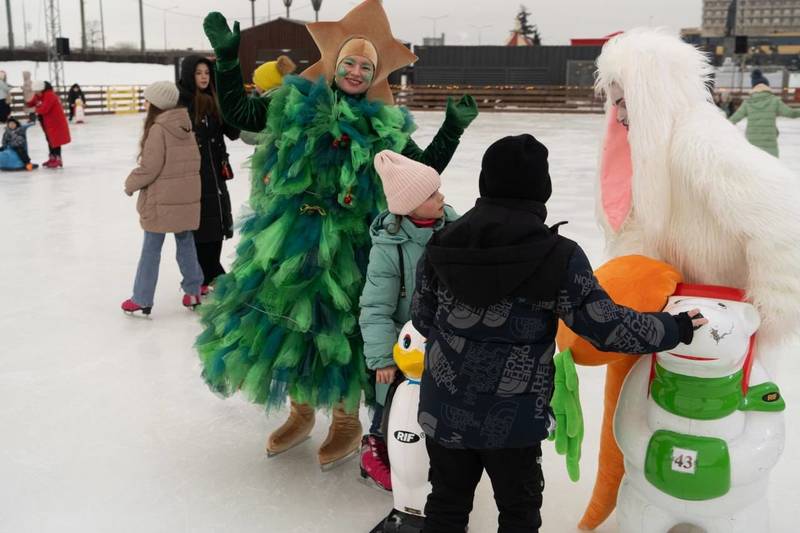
410,362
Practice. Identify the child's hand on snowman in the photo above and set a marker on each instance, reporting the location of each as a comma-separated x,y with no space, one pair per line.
385,375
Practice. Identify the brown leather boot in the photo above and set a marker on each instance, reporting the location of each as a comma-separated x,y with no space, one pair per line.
344,439
295,430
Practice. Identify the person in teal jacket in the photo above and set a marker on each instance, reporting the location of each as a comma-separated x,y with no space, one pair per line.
762,110
399,235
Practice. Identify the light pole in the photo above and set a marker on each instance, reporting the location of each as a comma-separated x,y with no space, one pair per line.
24,25
167,10
479,28
10,25
434,19
316,4
141,24
252,12
83,27
102,27
288,4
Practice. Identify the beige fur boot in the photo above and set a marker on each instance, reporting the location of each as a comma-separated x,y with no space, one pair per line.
344,439
295,430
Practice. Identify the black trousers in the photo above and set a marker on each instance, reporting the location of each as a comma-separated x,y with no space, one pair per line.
208,255
517,480
55,151
5,110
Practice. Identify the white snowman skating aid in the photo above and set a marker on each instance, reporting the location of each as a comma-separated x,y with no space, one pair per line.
406,440
700,426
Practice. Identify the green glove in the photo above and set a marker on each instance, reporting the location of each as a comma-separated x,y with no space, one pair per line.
566,405
462,113
224,41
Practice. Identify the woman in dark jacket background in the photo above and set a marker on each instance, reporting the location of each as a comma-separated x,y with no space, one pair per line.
216,222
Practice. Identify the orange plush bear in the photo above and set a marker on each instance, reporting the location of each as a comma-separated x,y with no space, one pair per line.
642,284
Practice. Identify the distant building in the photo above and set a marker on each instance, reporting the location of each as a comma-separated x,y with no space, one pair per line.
752,17
517,38
267,41
598,41
433,41
768,31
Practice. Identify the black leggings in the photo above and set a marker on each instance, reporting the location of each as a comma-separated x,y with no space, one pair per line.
23,154
5,110
55,152
208,254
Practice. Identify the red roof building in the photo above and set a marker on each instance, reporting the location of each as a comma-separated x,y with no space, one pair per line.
594,42
517,39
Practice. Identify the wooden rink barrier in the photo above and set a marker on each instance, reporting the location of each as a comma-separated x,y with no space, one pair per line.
127,99
503,98
100,99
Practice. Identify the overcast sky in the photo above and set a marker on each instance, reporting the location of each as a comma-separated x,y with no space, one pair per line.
463,22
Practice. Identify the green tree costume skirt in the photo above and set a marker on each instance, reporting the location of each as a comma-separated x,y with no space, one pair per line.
284,321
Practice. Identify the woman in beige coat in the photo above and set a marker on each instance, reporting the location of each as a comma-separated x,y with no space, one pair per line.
168,181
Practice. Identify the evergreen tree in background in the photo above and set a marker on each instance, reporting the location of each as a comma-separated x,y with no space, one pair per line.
526,28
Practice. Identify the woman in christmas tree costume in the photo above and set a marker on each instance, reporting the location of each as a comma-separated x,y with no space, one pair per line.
284,321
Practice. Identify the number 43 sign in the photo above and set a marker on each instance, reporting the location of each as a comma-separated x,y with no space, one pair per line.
684,461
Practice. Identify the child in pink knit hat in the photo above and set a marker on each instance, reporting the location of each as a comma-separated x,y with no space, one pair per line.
399,235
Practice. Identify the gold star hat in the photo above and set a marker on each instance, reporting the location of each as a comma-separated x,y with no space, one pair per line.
365,21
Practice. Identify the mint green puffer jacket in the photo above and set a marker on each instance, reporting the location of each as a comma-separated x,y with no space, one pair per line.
384,311
762,110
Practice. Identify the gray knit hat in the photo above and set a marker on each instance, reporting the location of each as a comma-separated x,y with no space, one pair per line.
162,94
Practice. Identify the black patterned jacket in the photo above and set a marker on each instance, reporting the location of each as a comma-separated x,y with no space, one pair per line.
489,368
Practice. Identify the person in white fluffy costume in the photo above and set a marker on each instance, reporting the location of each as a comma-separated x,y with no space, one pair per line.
680,184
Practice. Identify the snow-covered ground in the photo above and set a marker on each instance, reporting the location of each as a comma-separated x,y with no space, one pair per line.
91,73
105,423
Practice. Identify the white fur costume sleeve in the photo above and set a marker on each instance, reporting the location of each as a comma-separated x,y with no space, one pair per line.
756,200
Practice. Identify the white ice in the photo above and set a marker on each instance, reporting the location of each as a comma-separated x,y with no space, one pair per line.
105,422
88,73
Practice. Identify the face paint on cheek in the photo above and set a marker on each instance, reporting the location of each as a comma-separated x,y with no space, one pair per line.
341,71
367,75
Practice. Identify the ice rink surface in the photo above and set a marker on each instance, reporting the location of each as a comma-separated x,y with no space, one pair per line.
105,422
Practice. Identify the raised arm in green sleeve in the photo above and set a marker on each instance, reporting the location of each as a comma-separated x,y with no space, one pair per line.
242,112
441,149
247,113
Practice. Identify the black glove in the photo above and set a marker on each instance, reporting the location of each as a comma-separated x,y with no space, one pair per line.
685,327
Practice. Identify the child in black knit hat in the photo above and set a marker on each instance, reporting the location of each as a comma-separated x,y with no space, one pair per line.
490,290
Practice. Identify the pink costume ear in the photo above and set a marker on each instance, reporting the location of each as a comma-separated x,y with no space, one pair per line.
616,172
